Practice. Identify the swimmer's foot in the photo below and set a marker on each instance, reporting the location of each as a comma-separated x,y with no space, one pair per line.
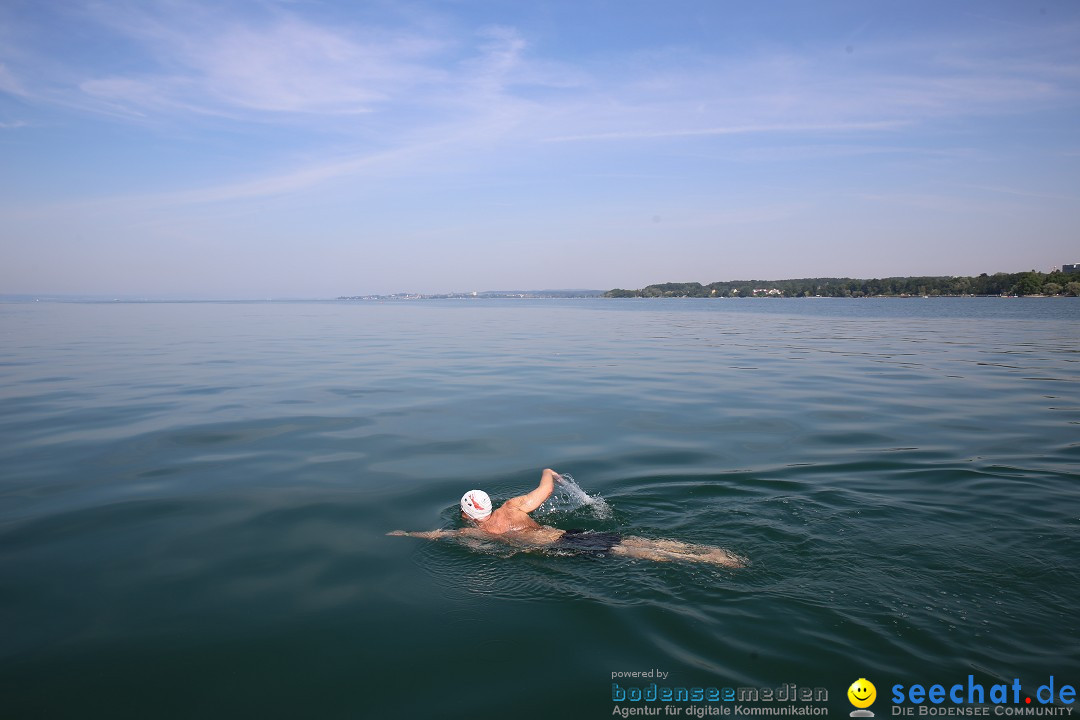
673,550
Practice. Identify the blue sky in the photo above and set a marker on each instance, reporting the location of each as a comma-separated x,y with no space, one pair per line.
313,149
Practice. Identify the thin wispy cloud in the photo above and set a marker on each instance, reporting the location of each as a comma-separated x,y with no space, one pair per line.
277,64
1022,192
735,130
285,182
941,202
9,84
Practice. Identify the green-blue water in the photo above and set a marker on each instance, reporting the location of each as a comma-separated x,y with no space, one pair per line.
194,500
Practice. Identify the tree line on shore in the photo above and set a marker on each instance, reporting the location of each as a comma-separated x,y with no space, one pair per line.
1023,283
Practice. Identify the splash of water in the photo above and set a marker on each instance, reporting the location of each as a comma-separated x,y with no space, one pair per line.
568,497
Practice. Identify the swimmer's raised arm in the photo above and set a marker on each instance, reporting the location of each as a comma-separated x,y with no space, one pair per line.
528,503
427,534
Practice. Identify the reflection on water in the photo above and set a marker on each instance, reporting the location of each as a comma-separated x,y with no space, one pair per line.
198,495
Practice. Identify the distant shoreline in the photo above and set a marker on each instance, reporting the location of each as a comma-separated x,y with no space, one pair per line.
604,296
1024,284
851,297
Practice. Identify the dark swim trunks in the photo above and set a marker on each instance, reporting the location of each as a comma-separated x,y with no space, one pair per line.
588,541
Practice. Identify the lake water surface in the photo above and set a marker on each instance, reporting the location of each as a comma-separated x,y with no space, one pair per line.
194,501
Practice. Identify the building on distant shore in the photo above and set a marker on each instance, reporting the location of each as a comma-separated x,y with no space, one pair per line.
1070,267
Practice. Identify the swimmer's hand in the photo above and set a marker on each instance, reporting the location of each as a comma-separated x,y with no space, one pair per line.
428,535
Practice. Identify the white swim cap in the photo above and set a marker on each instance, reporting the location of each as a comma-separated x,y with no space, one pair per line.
476,504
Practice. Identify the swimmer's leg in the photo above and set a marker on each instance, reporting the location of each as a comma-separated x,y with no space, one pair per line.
673,550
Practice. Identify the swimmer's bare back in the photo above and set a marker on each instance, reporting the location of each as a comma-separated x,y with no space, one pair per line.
628,546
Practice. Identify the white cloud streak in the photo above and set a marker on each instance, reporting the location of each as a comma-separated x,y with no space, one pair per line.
1021,193
220,65
737,130
9,84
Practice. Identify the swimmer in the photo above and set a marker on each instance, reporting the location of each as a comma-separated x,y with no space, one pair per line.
512,524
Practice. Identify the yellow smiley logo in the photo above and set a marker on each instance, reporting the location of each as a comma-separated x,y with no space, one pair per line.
862,693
